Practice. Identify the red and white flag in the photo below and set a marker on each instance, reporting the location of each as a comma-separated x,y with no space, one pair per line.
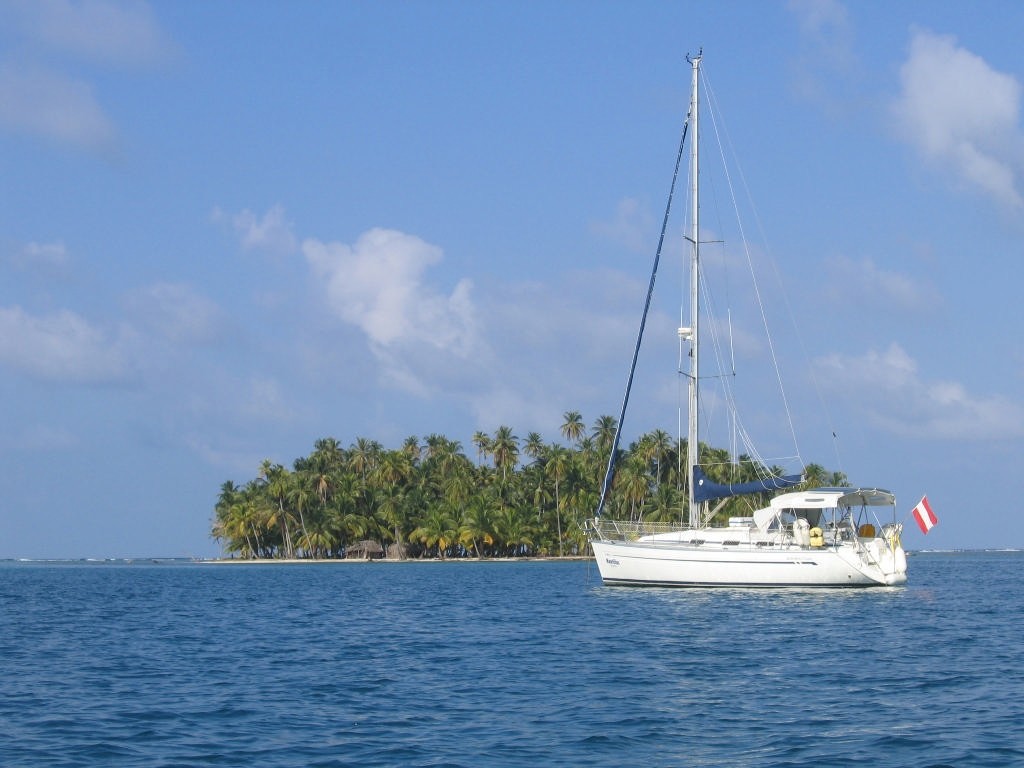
924,515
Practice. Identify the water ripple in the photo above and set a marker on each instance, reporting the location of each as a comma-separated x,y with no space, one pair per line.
505,664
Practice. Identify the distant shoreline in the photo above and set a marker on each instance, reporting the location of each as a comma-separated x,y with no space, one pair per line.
195,560
363,560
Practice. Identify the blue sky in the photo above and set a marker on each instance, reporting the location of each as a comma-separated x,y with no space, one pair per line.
229,229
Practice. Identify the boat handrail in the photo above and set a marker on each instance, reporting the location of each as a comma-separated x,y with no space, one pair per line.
630,530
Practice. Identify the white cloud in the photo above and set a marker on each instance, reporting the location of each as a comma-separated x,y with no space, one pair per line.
867,281
53,105
263,400
96,30
59,347
242,459
271,233
438,344
962,115
435,342
523,406
598,310
825,25
562,346
378,284
176,312
889,388
40,94
630,226
231,419
49,259
826,52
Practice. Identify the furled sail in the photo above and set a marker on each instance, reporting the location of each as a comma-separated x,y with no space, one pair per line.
705,489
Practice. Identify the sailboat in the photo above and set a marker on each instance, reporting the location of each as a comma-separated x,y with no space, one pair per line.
820,537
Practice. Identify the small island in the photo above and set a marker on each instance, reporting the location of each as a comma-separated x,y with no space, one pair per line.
518,498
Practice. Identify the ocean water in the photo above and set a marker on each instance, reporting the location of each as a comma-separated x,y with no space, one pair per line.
504,664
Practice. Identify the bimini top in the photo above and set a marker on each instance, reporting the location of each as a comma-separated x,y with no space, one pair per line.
822,498
827,498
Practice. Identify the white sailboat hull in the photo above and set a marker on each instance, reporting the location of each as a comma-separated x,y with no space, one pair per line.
686,565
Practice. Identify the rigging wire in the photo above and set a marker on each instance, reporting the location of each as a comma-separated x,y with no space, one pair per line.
746,249
792,316
609,472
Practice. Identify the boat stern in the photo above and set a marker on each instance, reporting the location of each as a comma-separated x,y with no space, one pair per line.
889,556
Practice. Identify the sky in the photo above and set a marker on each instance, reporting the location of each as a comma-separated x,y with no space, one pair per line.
230,229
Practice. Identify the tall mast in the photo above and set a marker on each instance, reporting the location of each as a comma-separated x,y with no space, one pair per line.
692,443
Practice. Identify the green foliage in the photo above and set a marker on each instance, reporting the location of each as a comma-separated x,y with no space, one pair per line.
518,499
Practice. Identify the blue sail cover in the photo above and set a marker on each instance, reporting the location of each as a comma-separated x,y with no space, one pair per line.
706,489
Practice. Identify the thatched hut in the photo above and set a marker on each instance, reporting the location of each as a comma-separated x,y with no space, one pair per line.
364,550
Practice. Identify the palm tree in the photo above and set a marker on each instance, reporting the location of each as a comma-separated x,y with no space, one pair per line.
482,441
581,499
513,531
411,448
319,541
392,472
838,480
438,529
666,505
354,526
660,447
328,454
233,525
458,487
557,468
477,524
228,495
591,462
363,456
341,509
444,452
815,476
230,527
633,485
541,498
299,497
572,426
436,444
505,449
604,433
534,447
276,477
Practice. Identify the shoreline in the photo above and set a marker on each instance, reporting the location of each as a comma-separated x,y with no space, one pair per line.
360,561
